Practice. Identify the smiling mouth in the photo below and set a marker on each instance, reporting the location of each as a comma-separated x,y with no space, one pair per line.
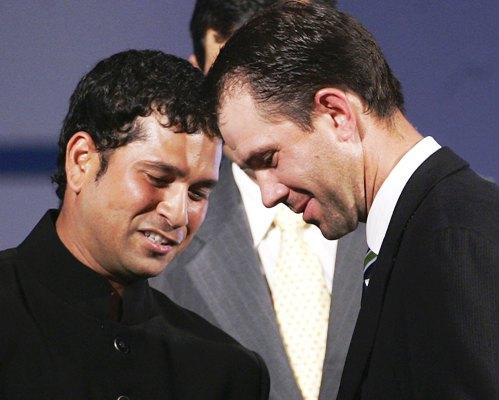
158,239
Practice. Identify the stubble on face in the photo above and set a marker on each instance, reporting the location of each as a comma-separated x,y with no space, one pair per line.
335,170
313,165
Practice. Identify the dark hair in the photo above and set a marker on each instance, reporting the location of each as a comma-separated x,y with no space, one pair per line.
224,17
133,83
287,53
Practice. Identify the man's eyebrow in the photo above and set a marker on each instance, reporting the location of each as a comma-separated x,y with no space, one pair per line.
171,169
206,183
165,168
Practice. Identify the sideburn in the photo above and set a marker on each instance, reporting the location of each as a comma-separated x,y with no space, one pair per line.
104,163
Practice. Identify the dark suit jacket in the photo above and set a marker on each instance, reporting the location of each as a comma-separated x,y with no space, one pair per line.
220,277
58,342
428,326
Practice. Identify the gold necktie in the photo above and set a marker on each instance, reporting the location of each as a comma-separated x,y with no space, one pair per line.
301,302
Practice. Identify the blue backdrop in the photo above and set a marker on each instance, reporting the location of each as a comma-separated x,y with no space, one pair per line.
444,52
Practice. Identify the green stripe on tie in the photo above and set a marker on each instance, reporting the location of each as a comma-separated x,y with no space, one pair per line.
369,259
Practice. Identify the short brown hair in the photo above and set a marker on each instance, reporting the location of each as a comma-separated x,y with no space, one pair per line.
293,49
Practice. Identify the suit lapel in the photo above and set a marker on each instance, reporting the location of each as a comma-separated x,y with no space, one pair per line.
345,304
438,166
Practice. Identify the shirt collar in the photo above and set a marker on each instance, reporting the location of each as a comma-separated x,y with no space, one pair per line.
388,194
260,218
58,270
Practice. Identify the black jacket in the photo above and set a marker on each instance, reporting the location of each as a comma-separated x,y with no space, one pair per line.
58,342
428,327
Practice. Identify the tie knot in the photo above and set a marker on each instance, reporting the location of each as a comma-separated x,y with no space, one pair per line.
287,220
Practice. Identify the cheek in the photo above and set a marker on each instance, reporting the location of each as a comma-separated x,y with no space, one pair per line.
134,195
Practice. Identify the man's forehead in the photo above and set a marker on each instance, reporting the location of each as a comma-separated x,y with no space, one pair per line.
237,97
237,107
159,139
240,115
236,112
187,156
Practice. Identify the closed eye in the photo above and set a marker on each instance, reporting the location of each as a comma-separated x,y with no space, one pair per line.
261,160
198,195
159,181
201,190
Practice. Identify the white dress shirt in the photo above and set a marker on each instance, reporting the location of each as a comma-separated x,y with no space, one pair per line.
388,194
266,238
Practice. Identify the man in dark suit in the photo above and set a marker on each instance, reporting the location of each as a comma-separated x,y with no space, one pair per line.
224,275
304,98
134,174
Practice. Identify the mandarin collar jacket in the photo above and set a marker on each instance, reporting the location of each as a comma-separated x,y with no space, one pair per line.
58,341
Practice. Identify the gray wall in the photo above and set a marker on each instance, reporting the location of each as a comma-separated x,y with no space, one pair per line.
444,52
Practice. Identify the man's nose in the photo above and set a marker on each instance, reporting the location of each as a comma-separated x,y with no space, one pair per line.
173,206
271,190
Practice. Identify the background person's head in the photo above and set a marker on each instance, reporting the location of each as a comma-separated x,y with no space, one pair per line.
214,21
135,167
293,93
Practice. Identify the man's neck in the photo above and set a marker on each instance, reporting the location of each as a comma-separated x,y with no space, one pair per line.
385,143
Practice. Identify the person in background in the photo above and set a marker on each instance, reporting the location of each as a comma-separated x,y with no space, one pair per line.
304,98
262,275
79,320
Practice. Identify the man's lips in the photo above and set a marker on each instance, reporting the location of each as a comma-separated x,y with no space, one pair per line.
308,213
299,207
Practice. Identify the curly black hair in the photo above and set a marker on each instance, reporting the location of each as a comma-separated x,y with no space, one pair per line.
133,83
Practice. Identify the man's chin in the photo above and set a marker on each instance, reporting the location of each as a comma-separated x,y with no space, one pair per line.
154,270
337,231
147,267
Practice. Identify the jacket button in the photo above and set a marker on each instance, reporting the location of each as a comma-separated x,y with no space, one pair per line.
123,398
123,347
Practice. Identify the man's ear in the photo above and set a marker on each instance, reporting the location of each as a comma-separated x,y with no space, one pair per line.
82,159
338,105
194,61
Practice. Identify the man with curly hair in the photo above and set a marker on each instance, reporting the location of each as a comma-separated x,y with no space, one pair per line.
134,174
